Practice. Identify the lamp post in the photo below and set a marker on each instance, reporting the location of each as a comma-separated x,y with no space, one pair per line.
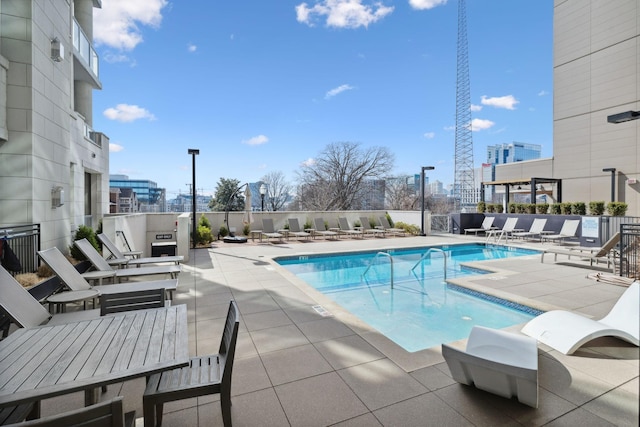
613,182
194,152
263,191
424,168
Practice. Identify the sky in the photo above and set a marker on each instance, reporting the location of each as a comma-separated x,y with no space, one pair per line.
264,86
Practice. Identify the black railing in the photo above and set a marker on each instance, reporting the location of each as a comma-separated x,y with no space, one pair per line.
24,241
630,250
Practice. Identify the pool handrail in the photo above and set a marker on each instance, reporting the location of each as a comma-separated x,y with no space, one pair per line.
444,256
373,260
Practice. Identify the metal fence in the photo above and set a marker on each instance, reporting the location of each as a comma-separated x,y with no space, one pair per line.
630,250
24,241
440,223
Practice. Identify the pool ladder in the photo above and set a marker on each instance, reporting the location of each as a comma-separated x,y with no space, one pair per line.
428,253
374,260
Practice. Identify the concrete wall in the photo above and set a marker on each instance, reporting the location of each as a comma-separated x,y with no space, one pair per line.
596,74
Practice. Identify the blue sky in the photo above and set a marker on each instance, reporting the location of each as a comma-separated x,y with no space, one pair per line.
261,86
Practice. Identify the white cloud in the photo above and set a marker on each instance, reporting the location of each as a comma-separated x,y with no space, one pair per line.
192,47
115,148
127,113
342,13
256,140
430,135
426,4
481,124
508,101
117,23
308,163
543,93
335,91
475,107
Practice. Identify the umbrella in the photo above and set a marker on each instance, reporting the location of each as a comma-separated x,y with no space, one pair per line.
248,216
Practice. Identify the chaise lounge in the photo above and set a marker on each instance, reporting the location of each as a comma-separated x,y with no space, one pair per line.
566,331
497,361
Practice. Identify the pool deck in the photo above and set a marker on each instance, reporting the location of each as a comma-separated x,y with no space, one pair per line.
296,367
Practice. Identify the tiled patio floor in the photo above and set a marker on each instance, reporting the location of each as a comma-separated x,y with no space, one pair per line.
296,367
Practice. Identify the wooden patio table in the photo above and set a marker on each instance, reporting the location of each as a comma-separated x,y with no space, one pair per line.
47,361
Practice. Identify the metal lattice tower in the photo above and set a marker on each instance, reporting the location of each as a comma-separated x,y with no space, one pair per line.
464,188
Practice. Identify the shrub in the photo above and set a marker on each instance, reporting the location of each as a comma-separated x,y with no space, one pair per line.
491,208
499,208
307,224
530,208
565,208
556,209
521,208
203,235
204,222
246,229
579,208
596,208
617,208
409,228
542,208
83,232
223,232
356,223
481,207
511,208
389,219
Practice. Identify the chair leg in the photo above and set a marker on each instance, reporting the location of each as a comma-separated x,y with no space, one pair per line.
148,412
159,409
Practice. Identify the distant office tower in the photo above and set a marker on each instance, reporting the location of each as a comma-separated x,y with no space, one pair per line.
150,197
512,152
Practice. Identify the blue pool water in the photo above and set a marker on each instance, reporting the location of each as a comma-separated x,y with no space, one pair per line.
421,310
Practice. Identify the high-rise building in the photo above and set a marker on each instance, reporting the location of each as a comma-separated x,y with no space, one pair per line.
512,152
150,197
55,165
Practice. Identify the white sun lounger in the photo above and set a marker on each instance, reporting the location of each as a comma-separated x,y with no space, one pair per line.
536,229
568,230
566,331
499,362
119,256
594,254
487,224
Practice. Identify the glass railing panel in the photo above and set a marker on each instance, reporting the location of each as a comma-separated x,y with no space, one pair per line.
85,49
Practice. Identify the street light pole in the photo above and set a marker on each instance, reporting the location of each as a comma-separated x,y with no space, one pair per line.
424,168
194,152
263,191
613,182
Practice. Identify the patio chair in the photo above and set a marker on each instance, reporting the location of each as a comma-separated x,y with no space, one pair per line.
76,282
101,264
205,375
487,224
367,229
566,331
386,226
346,229
506,230
117,256
295,230
109,413
497,361
592,254
268,231
536,229
568,230
321,230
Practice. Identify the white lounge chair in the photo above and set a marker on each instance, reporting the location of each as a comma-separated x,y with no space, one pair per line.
506,230
386,226
295,230
487,224
536,229
592,254
321,230
568,230
345,228
268,230
367,229
499,362
102,265
566,331
117,256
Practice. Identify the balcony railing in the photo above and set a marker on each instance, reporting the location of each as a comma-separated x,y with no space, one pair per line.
85,49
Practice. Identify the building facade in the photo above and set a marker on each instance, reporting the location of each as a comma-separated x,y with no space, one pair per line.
596,71
53,164
150,197
512,152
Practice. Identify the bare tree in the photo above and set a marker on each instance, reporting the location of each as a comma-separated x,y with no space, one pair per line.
334,181
278,190
400,195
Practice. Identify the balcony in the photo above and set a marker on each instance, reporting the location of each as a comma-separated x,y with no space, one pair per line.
85,58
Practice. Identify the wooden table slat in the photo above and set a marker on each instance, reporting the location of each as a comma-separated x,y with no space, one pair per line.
155,343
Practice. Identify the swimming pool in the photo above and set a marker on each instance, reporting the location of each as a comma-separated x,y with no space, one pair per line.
419,310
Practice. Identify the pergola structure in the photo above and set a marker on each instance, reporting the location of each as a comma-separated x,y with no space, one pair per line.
533,182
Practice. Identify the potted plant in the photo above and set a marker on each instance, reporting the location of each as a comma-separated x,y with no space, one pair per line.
617,208
579,208
596,208
542,208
